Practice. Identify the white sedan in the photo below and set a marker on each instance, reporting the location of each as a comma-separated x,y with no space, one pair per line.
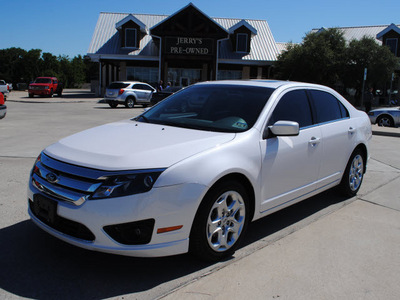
190,173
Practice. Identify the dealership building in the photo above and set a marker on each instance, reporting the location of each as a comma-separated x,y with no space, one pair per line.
183,48
189,46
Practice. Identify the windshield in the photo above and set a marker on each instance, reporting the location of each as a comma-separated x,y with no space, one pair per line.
223,107
43,80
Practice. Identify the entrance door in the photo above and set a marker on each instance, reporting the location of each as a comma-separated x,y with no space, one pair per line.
183,77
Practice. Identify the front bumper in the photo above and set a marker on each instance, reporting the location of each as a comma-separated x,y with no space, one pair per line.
167,206
39,92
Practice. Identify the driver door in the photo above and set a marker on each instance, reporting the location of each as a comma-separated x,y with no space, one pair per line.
290,164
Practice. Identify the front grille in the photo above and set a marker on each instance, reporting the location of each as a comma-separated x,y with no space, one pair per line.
65,182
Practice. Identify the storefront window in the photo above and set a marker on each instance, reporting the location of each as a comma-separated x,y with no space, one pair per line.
143,74
183,77
229,74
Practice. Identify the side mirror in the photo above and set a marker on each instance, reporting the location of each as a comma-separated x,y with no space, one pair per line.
282,128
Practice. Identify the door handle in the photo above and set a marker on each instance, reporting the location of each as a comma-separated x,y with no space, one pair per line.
314,141
352,130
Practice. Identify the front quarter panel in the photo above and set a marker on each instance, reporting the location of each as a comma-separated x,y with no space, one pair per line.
241,155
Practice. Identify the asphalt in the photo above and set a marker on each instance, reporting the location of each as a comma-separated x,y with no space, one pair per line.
351,252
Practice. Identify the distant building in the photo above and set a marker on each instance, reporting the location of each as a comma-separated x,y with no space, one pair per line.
183,48
388,35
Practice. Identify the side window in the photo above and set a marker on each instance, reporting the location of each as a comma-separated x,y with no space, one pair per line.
137,87
328,107
293,106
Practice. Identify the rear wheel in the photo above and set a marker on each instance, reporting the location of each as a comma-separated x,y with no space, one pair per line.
385,121
220,222
129,102
30,95
353,175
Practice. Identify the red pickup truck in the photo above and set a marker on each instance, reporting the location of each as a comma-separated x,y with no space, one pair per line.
45,86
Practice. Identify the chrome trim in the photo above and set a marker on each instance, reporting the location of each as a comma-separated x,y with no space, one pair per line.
71,183
58,192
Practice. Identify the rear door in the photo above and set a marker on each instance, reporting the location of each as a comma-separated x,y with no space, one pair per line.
337,129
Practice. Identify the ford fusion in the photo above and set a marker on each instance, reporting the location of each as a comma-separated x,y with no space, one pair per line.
189,174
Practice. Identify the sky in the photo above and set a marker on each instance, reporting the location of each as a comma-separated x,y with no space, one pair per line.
66,27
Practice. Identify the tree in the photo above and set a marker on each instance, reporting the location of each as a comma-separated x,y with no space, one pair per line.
366,53
319,59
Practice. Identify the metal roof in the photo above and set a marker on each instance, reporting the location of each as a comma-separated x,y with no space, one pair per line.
357,33
106,40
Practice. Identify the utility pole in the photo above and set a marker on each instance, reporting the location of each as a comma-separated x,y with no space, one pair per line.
363,87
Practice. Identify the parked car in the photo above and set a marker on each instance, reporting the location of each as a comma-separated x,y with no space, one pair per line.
158,96
128,93
3,107
190,173
386,116
4,89
45,86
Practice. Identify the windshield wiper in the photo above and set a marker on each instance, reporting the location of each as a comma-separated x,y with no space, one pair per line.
143,117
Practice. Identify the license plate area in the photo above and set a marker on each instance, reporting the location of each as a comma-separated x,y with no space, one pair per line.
45,209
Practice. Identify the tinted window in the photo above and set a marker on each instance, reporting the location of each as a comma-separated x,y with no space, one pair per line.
118,85
293,106
328,107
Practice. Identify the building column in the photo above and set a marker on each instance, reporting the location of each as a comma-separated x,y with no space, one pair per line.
246,72
122,70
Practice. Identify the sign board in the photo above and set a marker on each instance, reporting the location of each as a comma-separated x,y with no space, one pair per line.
188,46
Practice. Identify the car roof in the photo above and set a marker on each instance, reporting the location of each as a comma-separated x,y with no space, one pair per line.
262,83
129,82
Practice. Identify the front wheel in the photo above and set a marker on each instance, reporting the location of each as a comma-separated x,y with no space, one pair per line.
353,174
220,222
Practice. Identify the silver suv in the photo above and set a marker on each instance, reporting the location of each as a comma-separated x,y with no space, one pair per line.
128,93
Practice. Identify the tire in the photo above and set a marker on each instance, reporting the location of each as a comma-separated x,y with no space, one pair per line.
385,121
51,93
129,102
353,174
59,93
113,104
220,222
30,95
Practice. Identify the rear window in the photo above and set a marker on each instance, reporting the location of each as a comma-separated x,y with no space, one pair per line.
118,85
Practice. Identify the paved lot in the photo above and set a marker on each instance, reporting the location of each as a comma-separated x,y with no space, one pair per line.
322,248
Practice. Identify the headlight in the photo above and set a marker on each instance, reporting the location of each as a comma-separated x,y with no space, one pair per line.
124,185
46,87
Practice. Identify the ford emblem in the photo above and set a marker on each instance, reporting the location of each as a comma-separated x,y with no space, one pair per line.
52,178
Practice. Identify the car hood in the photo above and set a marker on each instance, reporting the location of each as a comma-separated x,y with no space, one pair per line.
39,84
128,145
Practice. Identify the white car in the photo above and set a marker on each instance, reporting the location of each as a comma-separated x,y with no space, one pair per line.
190,173
128,93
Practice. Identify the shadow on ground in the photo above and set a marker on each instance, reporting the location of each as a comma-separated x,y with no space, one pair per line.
33,264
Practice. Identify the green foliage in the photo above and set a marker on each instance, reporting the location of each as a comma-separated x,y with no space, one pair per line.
21,66
325,58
